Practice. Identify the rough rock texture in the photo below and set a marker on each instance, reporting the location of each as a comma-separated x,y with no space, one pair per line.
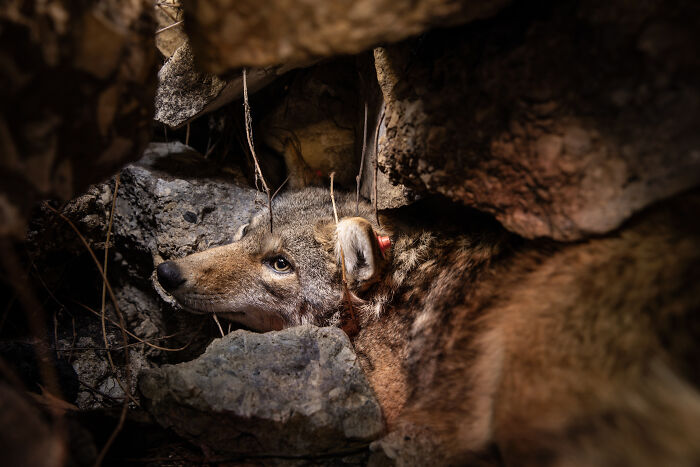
173,203
560,119
229,34
315,125
297,392
76,100
170,203
185,92
390,194
99,386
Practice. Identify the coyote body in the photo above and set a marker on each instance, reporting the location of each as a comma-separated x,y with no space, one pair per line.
477,342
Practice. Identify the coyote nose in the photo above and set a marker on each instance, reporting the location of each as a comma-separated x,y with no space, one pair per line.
169,275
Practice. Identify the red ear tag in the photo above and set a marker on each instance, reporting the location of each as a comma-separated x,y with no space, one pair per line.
384,243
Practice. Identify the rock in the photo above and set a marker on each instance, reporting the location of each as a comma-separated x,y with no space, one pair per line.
557,134
390,194
76,101
228,34
100,386
315,124
296,392
185,92
172,203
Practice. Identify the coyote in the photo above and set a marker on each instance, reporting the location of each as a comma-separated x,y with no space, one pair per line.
487,345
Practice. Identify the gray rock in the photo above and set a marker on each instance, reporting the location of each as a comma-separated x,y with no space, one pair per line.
172,203
296,392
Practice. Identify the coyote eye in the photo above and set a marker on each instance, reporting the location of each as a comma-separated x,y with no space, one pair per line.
280,264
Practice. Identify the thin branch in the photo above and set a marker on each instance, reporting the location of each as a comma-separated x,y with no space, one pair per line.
358,179
187,135
281,185
104,287
169,27
249,136
376,165
216,320
125,340
210,149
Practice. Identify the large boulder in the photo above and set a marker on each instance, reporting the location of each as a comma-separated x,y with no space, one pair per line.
228,34
296,392
562,120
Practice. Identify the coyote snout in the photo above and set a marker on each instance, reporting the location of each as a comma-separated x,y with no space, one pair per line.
268,281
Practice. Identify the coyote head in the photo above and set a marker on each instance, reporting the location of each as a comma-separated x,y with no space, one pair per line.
271,280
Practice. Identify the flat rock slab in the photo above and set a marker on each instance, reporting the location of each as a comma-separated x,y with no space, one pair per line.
299,392
228,34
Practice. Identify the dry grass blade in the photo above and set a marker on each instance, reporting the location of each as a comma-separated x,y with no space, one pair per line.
127,386
376,165
169,27
249,137
104,288
358,178
216,320
280,187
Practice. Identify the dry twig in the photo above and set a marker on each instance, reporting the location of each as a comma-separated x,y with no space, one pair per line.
376,164
358,178
216,320
125,340
249,136
281,185
169,27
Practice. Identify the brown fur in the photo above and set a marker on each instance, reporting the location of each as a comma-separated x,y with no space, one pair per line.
546,354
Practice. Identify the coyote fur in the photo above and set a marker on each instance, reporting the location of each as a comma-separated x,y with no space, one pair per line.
489,347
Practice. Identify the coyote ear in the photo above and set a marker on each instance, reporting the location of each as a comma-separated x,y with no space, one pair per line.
363,250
